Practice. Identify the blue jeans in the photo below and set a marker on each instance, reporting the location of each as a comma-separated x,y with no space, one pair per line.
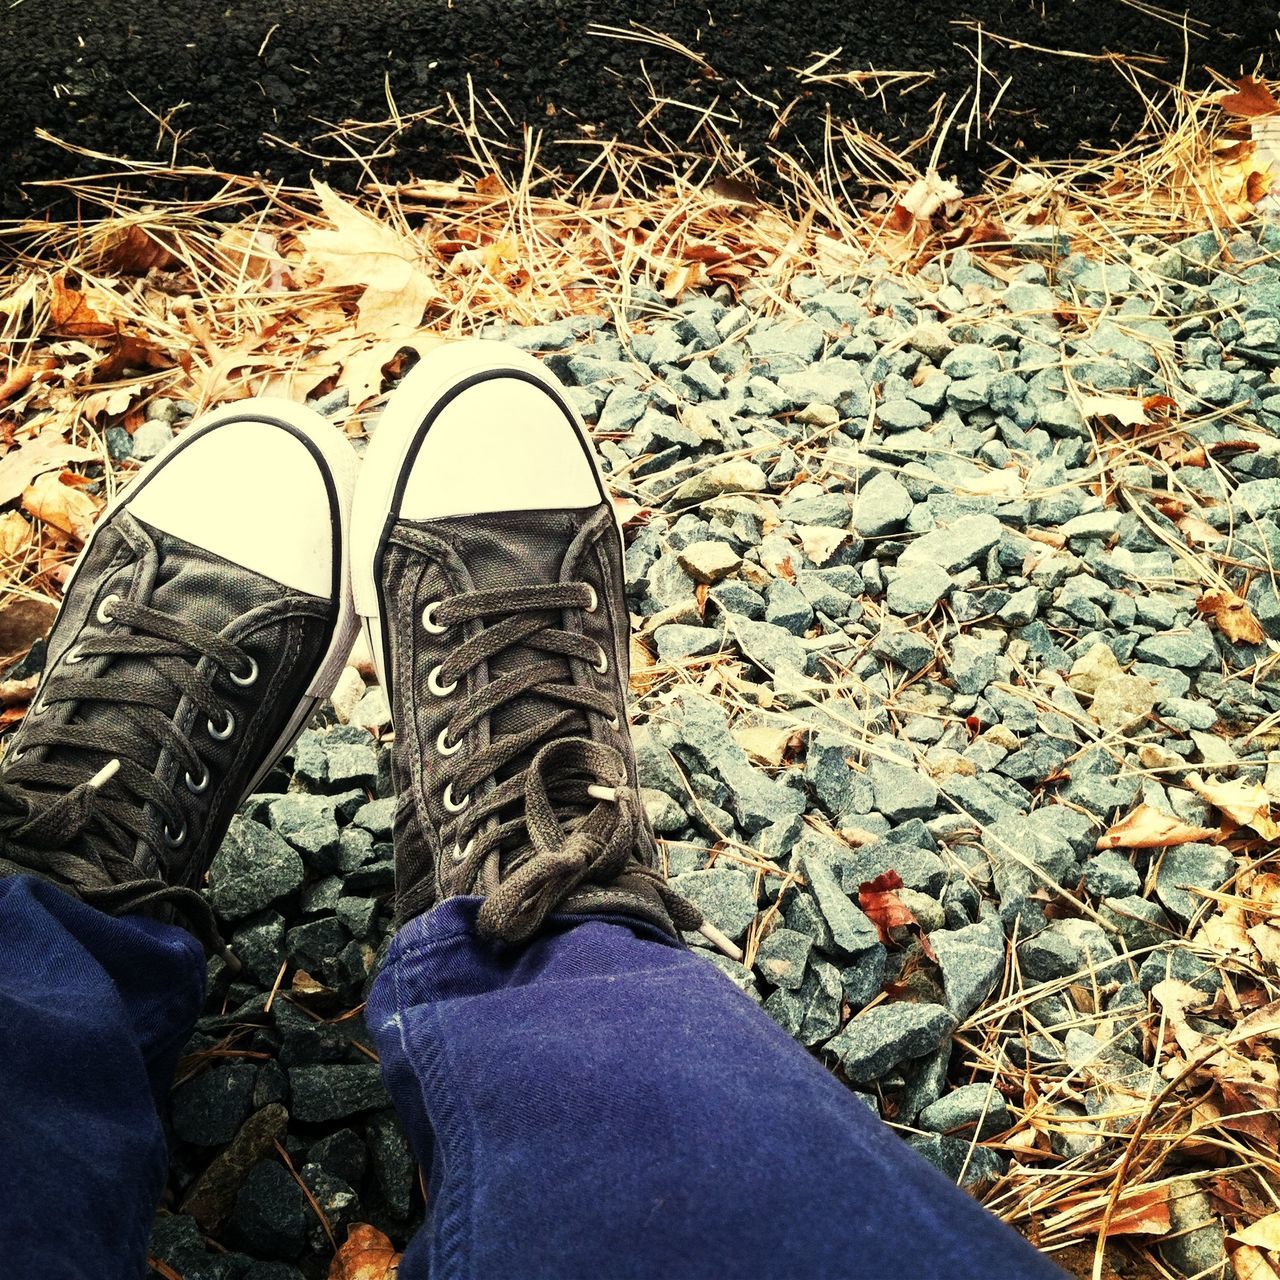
598,1104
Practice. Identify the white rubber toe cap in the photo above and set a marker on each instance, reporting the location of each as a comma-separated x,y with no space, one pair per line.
502,444
252,492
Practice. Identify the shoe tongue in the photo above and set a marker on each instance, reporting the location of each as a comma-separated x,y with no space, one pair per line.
520,549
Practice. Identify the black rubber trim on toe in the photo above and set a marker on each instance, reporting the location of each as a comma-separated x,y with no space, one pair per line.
411,453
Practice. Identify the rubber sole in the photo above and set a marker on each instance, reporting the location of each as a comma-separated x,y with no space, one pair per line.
403,425
339,464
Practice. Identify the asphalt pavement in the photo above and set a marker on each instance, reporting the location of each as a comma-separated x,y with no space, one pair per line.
255,87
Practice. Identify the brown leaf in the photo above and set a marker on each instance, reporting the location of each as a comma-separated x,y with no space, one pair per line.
1263,1234
1149,828
1252,98
1235,619
45,453
133,251
764,744
1244,802
1143,1211
1249,1263
366,1255
62,506
882,906
358,251
72,314
23,620
130,351
15,536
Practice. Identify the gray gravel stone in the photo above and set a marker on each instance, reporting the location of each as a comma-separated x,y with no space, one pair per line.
972,1111
878,1040
1185,867
332,1091
972,961
902,792
881,506
253,868
851,931
724,895
783,957
965,543
917,589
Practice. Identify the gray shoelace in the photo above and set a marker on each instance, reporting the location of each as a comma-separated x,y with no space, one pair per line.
560,812
70,819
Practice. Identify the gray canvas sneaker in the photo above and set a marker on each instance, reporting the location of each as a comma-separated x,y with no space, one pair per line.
208,614
487,569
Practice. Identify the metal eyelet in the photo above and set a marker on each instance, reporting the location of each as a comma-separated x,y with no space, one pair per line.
172,840
614,723
429,622
454,806
197,785
603,665
225,731
440,690
14,754
73,655
444,747
595,599
245,681
103,615
462,852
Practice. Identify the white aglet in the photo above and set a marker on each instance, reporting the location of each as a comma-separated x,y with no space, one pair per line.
603,793
719,941
104,775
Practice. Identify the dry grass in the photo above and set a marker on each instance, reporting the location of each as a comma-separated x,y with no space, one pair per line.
232,296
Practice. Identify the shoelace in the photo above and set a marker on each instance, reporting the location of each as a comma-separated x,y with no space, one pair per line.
82,831
575,815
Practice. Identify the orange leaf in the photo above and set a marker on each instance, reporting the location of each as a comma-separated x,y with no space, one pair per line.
45,452
1234,617
367,1255
65,508
1145,1212
1149,828
1252,98
72,315
882,906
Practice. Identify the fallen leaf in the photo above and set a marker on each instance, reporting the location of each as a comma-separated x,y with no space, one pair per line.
1235,619
1246,803
46,452
360,252
882,906
133,251
764,744
1150,828
60,505
1252,98
821,542
15,536
1124,409
72,314
679,280
23,620
17,693
366,1255
1249,1264
1263,1234
1142,1212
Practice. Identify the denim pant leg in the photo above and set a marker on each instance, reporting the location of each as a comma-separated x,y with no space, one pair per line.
94,1011
600,1105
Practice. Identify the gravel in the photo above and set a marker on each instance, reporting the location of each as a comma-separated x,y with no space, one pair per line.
876,541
